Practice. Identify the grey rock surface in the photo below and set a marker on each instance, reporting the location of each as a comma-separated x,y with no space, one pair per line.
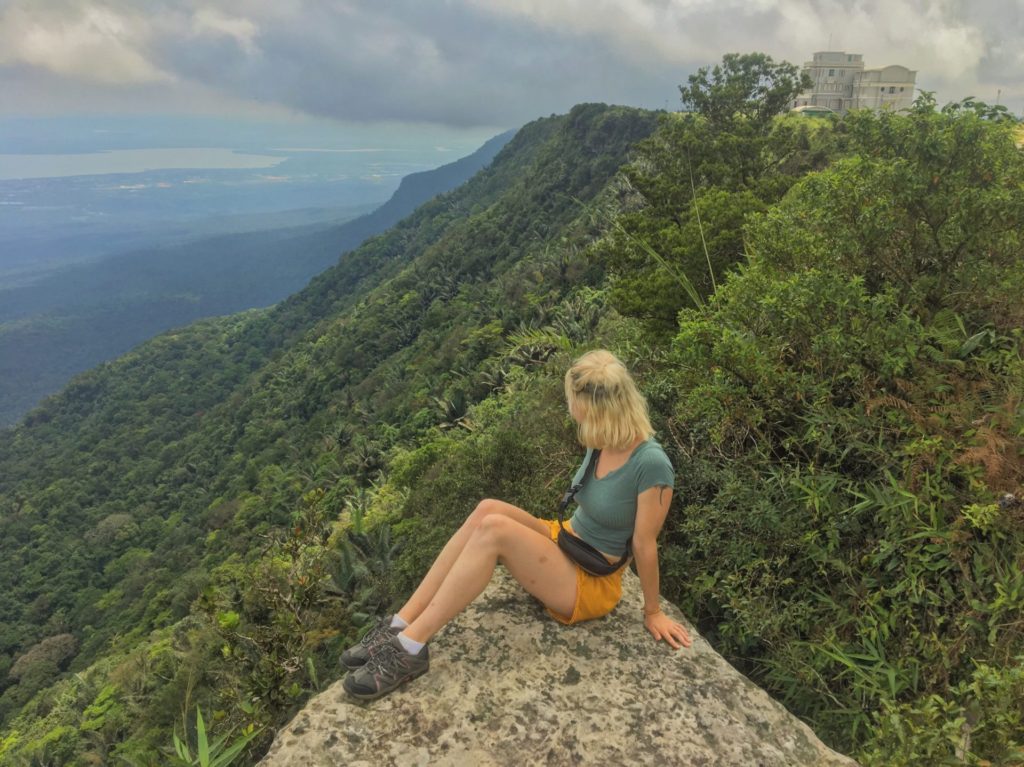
509,686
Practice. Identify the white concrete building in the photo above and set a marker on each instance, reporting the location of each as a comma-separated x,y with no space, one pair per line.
890,87
841,83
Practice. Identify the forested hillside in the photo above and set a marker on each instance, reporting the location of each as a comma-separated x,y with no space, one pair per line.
83,315
125,493
825,314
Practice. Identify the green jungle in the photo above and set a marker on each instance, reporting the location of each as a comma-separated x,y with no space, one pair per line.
825,314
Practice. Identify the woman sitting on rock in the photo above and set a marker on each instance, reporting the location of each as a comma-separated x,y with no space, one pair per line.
622,503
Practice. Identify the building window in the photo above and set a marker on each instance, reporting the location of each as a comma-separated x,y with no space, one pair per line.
831,73
849,58
892,89
882,89
901,90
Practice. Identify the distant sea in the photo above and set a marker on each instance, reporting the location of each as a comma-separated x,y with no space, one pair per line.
27,166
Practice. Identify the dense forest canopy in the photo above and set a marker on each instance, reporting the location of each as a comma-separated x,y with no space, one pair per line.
824,313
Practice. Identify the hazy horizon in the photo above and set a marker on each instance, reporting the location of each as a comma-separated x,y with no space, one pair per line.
78,188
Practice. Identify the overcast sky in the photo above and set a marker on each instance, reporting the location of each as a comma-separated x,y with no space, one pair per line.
466,63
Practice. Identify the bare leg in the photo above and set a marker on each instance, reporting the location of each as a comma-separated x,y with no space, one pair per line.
533,559
439,570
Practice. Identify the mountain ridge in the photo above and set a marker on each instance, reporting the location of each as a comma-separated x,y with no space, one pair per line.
210,520
168,452
83,315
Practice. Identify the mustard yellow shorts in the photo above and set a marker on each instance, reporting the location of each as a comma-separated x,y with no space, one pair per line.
596,595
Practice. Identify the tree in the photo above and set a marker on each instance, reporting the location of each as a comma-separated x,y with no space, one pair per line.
751,86
51,652
699,179
930,204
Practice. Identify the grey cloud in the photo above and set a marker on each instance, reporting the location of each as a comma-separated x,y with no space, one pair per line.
1003,62
442,62
501,62
410,62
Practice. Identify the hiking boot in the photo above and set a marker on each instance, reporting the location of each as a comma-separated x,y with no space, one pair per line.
358,654
389,667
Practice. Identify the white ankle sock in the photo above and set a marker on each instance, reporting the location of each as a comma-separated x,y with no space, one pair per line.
411,645
397,622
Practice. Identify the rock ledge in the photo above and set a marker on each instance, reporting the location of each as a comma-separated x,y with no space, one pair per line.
509,686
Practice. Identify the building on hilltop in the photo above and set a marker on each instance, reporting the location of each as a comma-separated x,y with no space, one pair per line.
841,83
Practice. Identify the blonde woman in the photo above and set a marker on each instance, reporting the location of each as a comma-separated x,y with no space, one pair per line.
625,495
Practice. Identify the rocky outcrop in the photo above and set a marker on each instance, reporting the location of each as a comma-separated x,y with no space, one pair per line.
510,686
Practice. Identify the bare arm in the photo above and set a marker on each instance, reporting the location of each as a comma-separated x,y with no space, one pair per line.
652,508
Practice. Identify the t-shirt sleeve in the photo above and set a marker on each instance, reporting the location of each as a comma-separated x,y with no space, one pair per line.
655,471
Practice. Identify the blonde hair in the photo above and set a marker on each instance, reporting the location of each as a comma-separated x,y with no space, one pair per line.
604,399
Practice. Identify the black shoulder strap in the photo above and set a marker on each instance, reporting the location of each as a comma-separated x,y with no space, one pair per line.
571,492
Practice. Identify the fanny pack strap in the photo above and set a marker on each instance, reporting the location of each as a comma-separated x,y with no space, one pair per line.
571,493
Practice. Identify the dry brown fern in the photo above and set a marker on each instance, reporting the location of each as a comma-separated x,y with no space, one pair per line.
889,400
1003,467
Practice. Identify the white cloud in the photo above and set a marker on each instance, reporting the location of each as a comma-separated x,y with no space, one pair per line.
949,42
684,31
209,21
92,43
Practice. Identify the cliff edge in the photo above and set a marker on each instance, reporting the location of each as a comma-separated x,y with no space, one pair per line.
510,686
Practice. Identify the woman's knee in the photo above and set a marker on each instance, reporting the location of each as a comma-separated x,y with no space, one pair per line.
493,529
486,507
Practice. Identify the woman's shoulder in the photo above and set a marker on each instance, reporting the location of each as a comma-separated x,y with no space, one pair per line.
652,467
652,456
652,451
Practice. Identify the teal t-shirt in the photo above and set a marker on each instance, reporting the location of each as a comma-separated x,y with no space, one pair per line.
606,512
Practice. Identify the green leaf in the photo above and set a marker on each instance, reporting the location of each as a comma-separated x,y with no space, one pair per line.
234,750
201,744
182,749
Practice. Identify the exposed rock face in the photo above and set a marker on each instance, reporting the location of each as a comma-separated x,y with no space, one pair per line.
509,686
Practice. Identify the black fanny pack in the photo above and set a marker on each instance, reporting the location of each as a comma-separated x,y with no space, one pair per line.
578,550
